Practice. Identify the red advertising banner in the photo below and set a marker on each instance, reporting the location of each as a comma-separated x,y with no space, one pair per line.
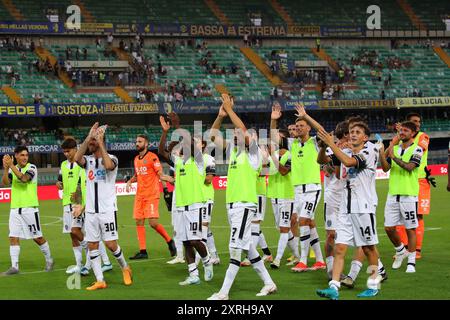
219,183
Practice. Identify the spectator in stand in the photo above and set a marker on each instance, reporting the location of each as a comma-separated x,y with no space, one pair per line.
383,95
68,53
279,92
68,67
195,93
302,92
178,97
247,75
110,39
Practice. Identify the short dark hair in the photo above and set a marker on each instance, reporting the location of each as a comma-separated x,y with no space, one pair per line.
412,114
19,149
363,126
301,119
69,143
341,129
410,125
284,132
354,119
143,136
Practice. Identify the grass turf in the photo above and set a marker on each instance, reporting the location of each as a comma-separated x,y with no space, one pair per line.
154,279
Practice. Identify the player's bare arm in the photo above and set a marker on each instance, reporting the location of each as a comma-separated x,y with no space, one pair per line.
132,180
301,113
78,210
84,146
216,135
209,179
408,166
228,104
5,177
329,141
274,117
107,161
24,177
165,125
385,165
322,157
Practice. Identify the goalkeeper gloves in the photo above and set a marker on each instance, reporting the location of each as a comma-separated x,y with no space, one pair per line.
430,179
168,199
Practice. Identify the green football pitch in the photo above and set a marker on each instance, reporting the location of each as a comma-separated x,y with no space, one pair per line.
154,279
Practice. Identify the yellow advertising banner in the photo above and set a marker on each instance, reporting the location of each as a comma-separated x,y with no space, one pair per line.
356,103
423,102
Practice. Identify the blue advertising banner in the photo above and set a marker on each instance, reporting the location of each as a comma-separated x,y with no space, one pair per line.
30,27
52,148
93,109
344,31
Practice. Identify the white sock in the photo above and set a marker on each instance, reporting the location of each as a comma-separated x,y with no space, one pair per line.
211,244
230,275
118,254
193,270
198,258
262,240
206,259
45,249
96,264
334,284
381,269
14,252
291,241
294,247
78,253
329,261
282,242
412,258
255,235
88,264
305,237
400,249
84,244
315,243
103,253
258,266
179,246
354,269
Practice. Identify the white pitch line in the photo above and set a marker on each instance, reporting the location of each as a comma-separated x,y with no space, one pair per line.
58,219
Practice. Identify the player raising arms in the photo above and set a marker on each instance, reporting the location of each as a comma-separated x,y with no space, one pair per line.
71,178
281,191
356,223
244,167
24,220
305,178
101,203
148,172
401,203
